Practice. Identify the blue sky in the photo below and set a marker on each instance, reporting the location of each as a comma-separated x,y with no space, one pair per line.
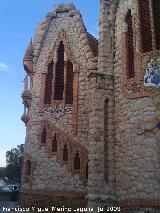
18,22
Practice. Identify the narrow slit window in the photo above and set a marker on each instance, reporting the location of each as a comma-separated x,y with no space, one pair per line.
48,84
77,161
69,83
54,144
146,32
65,153
106,133
87,171
129,46
59,79
44,136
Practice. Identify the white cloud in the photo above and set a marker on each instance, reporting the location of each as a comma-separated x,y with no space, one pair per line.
4,67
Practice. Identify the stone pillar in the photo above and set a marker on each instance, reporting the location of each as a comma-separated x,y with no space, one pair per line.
105,58
100,189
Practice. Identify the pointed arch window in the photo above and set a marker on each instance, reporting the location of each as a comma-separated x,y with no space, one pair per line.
44,136
28,167
77,161
69,83
129,46
59,78
48,84
65,153
156,17
145,19
54,144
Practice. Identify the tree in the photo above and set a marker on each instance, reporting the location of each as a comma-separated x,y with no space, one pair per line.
2,172
14,162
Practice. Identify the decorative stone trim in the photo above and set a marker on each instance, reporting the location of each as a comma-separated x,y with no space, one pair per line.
68,56
48,192
73,147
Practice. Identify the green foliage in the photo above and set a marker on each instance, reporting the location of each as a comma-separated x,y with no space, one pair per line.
2,172
14,161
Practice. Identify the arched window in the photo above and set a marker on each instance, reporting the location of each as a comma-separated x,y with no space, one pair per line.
77,161
106,118
106,133
48,84
129,46
69,83
43,136
27,167
65,153
54,144
146,32
59,79
156,16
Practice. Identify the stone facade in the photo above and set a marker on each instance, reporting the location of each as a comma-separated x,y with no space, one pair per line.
92,121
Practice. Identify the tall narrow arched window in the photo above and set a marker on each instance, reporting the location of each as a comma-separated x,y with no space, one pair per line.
65,153
87,171
145,19
59,79
54,144
69,83
129,46
43,136
106,138
28,167
156,16
48,84
77,161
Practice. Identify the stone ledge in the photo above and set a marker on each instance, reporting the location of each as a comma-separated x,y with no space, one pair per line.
94,73
48,192
139,203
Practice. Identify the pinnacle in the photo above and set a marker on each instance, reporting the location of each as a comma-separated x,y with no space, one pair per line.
65,7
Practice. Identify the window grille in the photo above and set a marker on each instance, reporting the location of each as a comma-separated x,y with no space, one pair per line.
48,84
59,80
156,16
69,83
129,46
146,32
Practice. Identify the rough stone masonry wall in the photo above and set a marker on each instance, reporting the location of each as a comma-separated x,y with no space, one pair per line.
47,172
136,152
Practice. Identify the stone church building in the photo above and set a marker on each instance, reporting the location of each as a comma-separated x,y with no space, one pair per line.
92,107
